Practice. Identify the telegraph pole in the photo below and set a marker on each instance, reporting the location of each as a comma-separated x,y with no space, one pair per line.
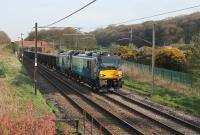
35,65
18,40
41,46
131,34
22,47
18,53
53,44
76,42
153,60
59,43
131,37
77,37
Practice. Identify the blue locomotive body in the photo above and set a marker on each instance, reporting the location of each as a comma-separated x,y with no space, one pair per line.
93,68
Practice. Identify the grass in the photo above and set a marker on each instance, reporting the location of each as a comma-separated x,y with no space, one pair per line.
164,96
135,73
17,91
16,88
2,70
59,115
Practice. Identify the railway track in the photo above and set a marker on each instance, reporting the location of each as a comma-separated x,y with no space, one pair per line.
170,120
107,120
145,124
73,112
164,120
132,116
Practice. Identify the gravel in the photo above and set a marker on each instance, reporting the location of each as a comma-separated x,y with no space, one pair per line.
68,111
192,119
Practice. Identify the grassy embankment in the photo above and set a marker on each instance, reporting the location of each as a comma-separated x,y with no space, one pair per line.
17,98
16,87
176,96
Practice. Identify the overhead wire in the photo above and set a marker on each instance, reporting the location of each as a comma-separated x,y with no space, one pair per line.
124,22
160,14
164,13
70,14
151,16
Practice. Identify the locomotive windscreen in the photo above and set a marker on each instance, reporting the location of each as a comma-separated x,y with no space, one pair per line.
110,61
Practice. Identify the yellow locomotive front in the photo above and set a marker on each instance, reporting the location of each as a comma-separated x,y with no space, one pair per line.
110,73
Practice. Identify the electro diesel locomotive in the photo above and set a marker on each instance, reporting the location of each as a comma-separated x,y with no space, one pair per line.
99,70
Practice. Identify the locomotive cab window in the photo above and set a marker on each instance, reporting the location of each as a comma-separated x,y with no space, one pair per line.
60,60
110,61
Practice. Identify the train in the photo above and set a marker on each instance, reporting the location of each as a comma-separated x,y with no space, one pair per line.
101,71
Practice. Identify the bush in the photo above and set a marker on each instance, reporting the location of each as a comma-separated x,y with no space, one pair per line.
130,55
125,52
188,54
119,50
144,55
13,47
194,61
170,58
28,124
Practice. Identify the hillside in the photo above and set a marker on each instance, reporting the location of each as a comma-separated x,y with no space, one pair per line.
4,38
179,29
69,37
174,30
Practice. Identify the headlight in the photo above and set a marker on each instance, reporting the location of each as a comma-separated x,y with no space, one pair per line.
120,75
102,75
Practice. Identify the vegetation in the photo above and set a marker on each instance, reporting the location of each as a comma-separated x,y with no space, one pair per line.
4,39
21,112
12,46
125,52
170,94
61,38
165,96
169,58
182,46
179,82
28,123
195,61
179,29
144,55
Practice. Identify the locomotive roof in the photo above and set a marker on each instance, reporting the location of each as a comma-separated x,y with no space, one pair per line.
84,56
87,54
41,53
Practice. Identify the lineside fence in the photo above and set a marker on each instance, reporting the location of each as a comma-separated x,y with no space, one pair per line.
165,74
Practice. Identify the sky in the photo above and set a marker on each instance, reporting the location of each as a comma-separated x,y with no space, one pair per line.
19,16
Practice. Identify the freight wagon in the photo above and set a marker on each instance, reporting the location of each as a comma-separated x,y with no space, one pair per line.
100,70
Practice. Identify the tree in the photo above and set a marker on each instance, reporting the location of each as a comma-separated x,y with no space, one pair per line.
4,39
125,52
171,58
178,29
130,55
144,55
195,61
61,38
